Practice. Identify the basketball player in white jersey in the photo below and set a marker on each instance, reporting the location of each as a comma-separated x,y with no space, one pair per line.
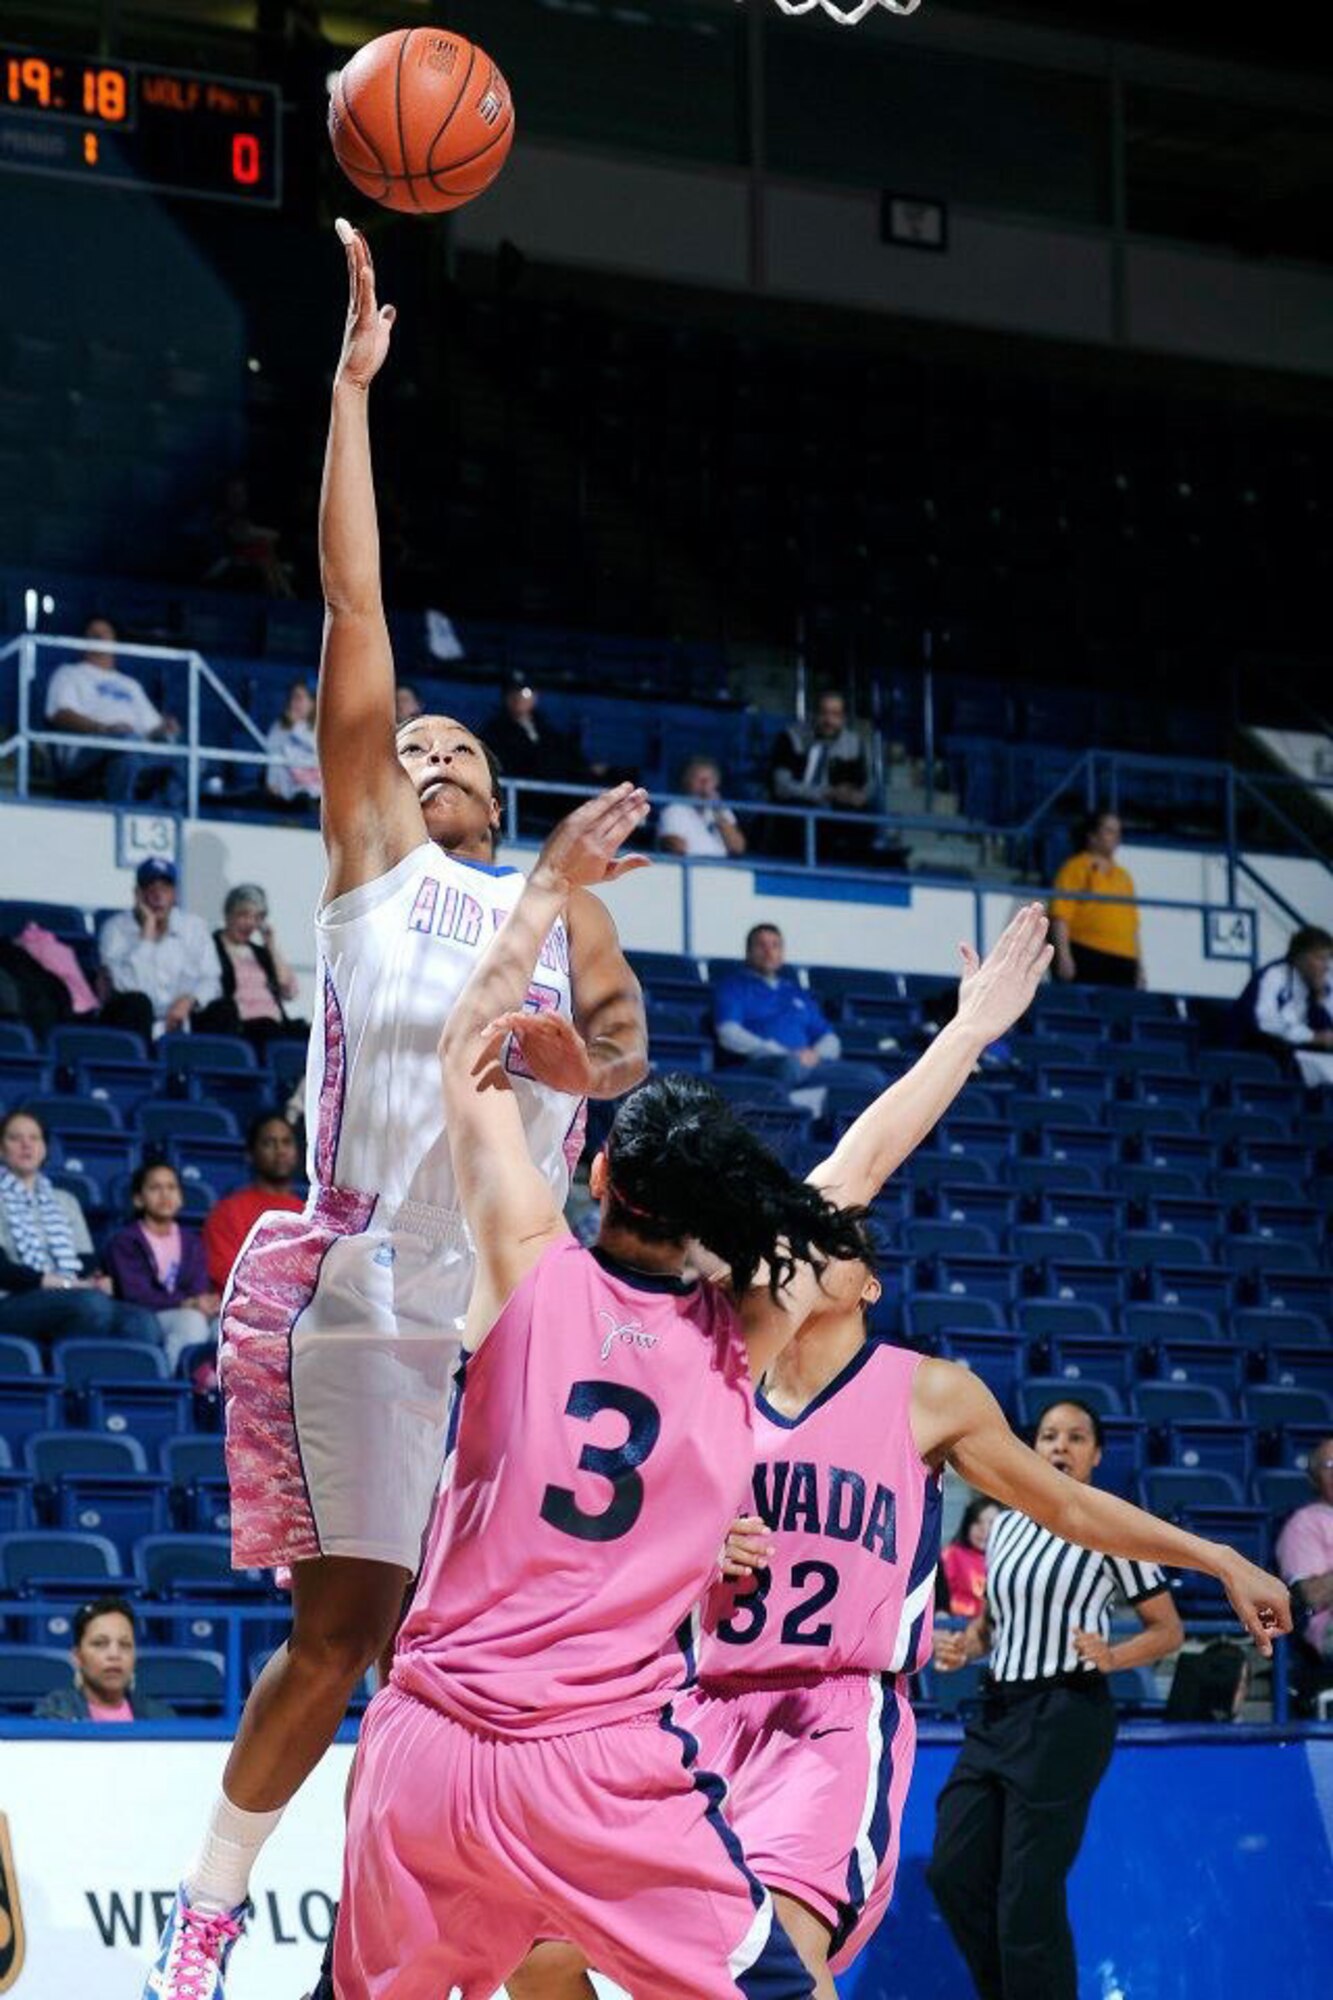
341,1326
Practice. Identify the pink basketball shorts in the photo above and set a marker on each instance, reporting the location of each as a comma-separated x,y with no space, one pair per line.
464,1850
817,1772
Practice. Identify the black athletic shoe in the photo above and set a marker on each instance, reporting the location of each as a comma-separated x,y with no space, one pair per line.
323,1987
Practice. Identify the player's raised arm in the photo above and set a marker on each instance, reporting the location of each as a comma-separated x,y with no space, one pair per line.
994,993
955,1416
510,1210
370,813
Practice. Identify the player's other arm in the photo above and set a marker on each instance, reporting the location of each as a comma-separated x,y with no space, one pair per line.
994,993
955,1417
509,1207
608,1000
370,814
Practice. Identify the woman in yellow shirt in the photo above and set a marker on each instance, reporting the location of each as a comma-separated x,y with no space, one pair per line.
1097,942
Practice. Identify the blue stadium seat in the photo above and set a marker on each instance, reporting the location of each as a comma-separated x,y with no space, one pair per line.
1038,1392
29,1673
1078,1208
926,1315
1180,1402
1169,1490
1079,1082
1286,1221
1203,1288
1274,1156
1301,1367
1242,1185
1179,1147
1213,1445
1271,1406
168,1564
52,1455
212,1158
149,1411
1180,1215
27,1405
98,1155
1144,1249
190,1681
179,1119
25,1078
121,1086
653,967
1134,1691
17,1511
124,1506
973,1201
1258,1326
1213,1363
1076,1145
1100,1357
50,1555
974,1138
1231,1127
1169,1086
1034,1242
998,1359
1231,1065
210,1052
1124,1454
1143,1183
1033,1114
1151,1122
925,1238
1149,1324
81,1362
1036,1177
71,1116
183,1459
1242,1528
1279,1490
973,1277
1267,1253
1298,1442
72,1045
18,1356
1295,1290
925,1169
16,1039
1098,1284
1052,1319
67,920
88,1193
950,1695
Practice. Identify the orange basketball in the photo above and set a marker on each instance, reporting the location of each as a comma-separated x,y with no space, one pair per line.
421,120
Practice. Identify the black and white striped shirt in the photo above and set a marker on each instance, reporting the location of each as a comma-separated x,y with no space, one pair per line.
1041,1590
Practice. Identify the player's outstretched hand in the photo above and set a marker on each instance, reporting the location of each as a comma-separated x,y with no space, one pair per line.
747,1547
585,847
1260,1601
553,1050
997,990
951,1651
369,324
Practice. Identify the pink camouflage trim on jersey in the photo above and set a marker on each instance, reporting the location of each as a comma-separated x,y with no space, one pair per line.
332,1087
273,1520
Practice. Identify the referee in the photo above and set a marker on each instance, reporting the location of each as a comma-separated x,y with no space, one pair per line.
1010,1820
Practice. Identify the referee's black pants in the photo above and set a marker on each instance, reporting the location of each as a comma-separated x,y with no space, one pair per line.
1008,1825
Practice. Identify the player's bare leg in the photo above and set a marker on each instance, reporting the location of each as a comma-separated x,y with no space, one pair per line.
551,1971
810,1935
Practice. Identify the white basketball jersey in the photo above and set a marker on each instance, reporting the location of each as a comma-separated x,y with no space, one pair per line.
394,955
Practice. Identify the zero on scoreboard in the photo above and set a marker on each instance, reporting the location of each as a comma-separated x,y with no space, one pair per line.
133,125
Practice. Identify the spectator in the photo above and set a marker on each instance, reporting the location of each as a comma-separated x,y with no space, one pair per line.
157,1263
823,763
1210,1685
528,747
963,1563
763,1016
103,1656
705,827
92,697
294,783
248,557
256,978
1097,943
161,951
271,1146
43,983
406,704
49,1280
1288,1006
1305,1562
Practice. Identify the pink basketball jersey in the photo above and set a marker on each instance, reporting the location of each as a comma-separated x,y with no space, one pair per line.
856,1520
599,1445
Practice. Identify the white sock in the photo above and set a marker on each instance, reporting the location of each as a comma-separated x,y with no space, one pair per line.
220,1876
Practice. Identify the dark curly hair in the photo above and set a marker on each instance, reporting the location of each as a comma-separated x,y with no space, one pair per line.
682,1164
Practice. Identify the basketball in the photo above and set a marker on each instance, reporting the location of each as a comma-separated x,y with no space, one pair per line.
421,120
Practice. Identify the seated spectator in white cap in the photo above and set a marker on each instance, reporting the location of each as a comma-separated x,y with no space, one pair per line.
704,826
161,951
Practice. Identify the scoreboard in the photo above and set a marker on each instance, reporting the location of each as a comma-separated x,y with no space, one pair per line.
133,125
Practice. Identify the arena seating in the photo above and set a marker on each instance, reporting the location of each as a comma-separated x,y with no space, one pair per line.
1174,1267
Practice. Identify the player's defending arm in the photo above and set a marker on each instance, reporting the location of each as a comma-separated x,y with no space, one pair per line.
608,1000
510,1210
994,993
370,814
955,1417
